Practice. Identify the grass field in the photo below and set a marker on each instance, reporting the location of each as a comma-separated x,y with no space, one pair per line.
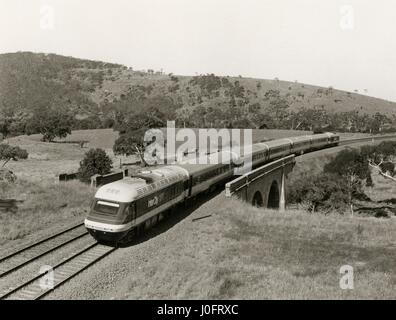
241,252
44,205
98,138
47,160
47,202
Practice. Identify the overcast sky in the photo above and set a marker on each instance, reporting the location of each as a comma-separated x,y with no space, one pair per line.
348,44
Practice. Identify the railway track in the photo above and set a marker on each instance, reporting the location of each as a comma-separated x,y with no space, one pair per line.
33,288
39,286
368,139
19,258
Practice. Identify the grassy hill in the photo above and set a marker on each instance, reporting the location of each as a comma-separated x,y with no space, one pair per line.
265,254
31,80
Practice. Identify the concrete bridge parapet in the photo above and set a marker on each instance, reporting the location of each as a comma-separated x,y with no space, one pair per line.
264,186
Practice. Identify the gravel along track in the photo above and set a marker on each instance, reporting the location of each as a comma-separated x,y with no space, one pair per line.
27,254
39,265
39,286
18,270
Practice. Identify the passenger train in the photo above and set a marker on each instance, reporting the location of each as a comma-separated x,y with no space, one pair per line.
126,207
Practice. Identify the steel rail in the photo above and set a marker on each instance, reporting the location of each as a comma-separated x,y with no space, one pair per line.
29,246
73,258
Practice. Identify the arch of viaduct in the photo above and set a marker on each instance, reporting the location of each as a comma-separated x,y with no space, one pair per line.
264,186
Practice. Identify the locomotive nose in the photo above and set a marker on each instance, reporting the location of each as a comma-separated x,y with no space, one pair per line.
107,237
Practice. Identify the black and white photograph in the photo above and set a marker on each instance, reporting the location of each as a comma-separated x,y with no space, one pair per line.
197,154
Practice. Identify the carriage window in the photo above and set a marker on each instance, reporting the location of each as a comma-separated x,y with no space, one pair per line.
106,207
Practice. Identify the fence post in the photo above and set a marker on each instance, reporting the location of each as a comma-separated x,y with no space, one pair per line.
94,181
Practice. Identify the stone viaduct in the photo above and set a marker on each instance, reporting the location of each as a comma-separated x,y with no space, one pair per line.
264,186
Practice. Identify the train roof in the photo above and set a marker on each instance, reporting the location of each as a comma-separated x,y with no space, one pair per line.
277,142
261,146
194,168
142,183
225,156
300,138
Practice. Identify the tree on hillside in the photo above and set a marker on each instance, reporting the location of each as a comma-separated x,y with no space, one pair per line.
90,122
8,153
158,106
18,123
272,94
174,79
151,118
51,123
307,119
13,123
134,143
278,111
131,140
131,143
377,122
4,126
319,192
184,117
207,83
96,161
350,166
382,158
338,186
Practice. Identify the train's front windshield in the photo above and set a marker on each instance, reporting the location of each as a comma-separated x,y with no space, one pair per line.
106,207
